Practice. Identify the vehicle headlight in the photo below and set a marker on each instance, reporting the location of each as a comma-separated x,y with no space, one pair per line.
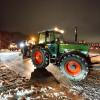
22,45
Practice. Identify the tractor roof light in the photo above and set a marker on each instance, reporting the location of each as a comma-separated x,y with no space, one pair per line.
62,31
58,30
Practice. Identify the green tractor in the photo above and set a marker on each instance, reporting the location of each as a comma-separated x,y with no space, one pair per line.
71,58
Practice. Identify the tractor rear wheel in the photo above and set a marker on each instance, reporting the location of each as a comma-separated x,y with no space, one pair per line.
40,57
74,67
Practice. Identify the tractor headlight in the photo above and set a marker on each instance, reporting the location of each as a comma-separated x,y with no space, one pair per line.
22,45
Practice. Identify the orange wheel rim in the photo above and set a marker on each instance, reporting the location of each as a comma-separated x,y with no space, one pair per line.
73,68
38,57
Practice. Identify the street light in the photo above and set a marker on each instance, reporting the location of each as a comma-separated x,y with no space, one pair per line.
32,40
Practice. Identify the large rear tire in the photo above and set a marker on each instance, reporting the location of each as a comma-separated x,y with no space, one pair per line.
40,57
74,67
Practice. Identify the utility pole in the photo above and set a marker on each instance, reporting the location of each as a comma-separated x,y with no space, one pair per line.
75,33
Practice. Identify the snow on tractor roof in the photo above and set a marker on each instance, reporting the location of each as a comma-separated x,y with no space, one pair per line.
53,29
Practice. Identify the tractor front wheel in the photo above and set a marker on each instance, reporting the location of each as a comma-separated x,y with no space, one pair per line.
74,67
40,57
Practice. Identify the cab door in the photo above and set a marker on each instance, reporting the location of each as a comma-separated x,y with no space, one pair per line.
51,44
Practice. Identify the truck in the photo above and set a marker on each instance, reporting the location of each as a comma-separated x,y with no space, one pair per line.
72,58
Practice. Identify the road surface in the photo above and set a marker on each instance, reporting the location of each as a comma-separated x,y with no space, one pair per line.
89,88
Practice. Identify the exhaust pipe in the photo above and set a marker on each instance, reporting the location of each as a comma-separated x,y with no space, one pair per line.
75,33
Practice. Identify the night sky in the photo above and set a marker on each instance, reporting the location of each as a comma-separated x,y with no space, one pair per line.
31,16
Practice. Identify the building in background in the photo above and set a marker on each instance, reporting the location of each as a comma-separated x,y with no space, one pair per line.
10,37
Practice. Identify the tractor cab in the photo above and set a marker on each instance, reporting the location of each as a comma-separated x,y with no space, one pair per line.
51,39
50,36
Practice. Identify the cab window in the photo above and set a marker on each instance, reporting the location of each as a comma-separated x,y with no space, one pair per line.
50,37
42,38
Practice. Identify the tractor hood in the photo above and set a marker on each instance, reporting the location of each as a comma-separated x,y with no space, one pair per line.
69,47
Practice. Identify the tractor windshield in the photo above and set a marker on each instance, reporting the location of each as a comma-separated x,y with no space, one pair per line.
50,37
58,37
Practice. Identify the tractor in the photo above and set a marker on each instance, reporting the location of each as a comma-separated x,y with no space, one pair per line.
71,58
